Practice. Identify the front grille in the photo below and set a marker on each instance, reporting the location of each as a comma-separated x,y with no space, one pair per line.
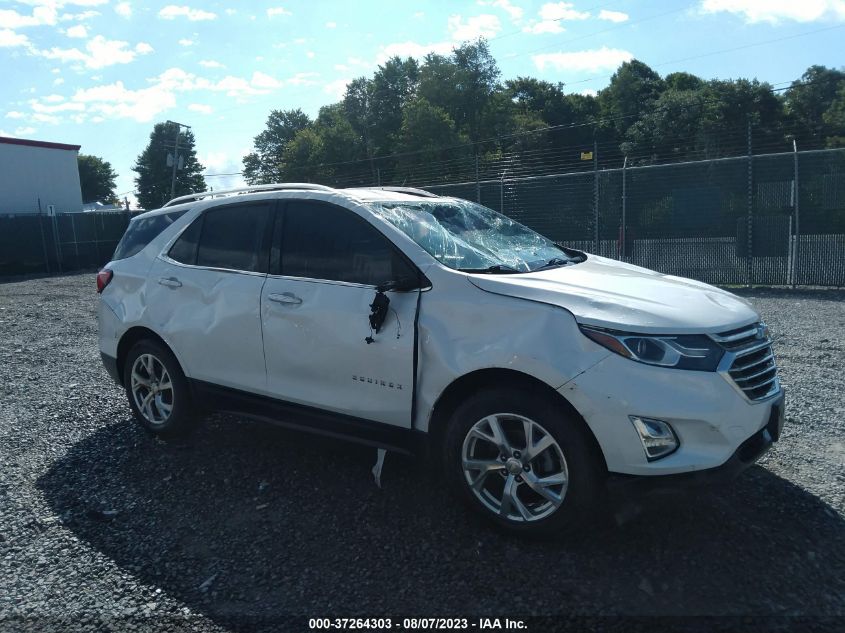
752,363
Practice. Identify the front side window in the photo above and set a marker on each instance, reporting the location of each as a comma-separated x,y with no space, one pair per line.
322,241
233,236
467,236
142,231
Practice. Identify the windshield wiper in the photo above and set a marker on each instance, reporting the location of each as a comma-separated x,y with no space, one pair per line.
495,269
554,262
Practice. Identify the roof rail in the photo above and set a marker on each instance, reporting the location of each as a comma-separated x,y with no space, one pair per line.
412,191
301,186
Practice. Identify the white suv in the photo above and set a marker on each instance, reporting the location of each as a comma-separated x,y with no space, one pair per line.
534,376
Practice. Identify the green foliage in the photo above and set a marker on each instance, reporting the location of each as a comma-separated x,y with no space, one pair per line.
449,108
266,163
96,178
153,182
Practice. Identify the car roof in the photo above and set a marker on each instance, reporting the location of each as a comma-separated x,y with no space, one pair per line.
357,194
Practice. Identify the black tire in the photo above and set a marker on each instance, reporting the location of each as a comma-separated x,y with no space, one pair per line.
182,418
584,469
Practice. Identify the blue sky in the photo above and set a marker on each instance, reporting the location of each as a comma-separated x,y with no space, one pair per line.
99,73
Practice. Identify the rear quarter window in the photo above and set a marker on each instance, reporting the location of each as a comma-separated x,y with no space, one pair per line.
142,231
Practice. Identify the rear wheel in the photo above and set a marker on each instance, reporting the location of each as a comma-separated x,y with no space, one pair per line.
516,458
157,389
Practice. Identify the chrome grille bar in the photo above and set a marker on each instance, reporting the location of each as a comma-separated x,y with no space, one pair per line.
741,345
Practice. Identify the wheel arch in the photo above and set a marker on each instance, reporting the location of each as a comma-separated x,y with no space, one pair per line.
132,336
464,386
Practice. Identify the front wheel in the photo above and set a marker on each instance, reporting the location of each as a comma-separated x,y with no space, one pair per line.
157,389
517,458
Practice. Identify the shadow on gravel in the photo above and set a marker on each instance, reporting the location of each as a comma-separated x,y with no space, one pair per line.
254,520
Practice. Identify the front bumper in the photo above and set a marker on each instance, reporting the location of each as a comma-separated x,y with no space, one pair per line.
709,415
745,456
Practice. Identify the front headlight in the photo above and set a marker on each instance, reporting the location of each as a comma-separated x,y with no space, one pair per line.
687,351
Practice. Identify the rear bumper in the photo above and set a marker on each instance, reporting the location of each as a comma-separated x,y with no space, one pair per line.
745,456
111,366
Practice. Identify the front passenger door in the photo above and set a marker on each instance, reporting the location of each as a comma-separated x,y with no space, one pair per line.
315,307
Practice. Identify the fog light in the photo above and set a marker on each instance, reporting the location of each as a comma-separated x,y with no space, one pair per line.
658,438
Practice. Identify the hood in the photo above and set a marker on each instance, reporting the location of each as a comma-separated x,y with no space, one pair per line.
611,294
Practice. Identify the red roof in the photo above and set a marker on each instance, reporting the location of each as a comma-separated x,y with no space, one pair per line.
31,143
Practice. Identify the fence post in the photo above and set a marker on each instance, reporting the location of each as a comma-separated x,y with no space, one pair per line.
624,232
43,240
596,195
796,246
75,242
56,237
750,217
378,176
477,181
502,192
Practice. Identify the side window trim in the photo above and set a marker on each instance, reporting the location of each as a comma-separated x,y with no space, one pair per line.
278,239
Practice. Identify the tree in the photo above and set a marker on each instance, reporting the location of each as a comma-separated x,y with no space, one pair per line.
426,134
807,101
632,91
153,181
266,163
96,178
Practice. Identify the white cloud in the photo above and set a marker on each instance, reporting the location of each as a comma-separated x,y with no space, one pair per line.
603,58
13,114
419,15
336,88
77,31
100,52
54,98
186,42
331,25
210,63
412,49
613,16
551,15
10,39
123,9
202,108
776,10
303,79
514,12
58,81
24,131
589,92
171,12
484,25
274,11
262,80
41,15
561,11
310,54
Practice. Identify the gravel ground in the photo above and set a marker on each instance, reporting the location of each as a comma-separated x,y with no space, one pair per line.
103,524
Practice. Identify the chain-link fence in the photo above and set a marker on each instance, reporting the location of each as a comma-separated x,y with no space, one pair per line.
61,243
769,219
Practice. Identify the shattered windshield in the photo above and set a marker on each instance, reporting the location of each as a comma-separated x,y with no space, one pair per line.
469,237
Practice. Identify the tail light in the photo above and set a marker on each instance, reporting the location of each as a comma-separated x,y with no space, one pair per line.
103,279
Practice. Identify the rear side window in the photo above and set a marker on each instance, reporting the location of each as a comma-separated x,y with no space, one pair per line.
184,250
233,237
142,231
322,241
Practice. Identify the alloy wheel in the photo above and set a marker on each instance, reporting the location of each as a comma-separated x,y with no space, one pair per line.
514,467
152,389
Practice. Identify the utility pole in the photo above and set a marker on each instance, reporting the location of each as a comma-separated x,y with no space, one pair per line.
179,127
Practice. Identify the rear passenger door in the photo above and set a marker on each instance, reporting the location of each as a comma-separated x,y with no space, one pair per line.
206,293
325,264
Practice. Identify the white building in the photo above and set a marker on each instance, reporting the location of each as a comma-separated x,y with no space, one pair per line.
37,176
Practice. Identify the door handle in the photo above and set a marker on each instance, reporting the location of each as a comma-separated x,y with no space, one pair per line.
170,282
287,298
